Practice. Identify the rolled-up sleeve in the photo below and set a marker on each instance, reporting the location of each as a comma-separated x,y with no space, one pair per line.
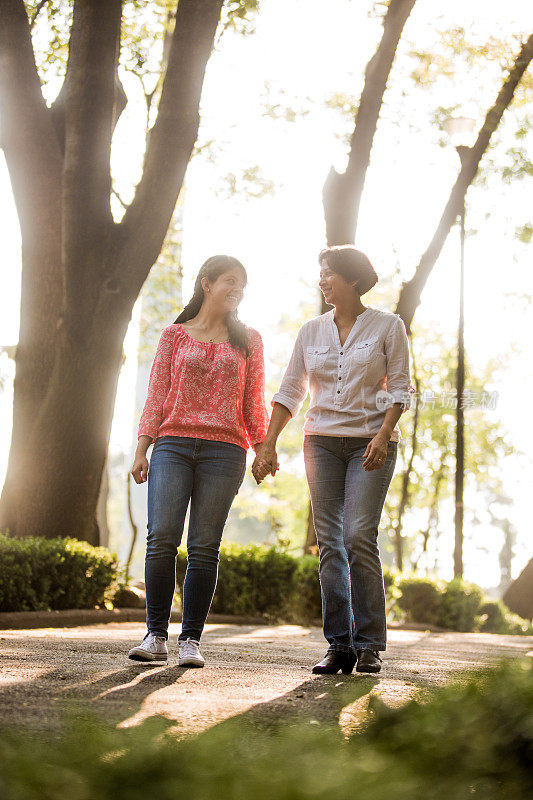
397,354
295,383
254,410
158,386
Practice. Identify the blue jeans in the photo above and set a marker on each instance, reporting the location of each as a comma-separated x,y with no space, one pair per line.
347,503
208,474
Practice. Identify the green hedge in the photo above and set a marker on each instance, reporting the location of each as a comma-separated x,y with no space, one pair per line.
456,605
470,740
265,581
43,574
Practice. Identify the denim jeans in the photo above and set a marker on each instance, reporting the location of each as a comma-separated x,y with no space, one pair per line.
347,503
208,474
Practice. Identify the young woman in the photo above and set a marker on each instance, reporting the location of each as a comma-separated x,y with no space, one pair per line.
205,405
355,361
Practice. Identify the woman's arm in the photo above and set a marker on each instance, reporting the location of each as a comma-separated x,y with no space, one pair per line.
266,460
398,383
286,403
140,462
254,410
152,414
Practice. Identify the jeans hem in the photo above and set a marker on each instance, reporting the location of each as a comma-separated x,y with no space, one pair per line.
340,649
366,646
158,633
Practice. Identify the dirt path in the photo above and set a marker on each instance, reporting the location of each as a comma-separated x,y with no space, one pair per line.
259,672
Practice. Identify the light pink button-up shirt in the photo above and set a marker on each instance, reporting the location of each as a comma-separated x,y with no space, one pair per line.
351,385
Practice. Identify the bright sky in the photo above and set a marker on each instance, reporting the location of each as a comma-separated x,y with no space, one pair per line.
309,52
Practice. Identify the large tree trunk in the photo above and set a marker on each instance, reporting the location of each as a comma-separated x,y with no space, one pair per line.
342,192
71,435
87,269
34,162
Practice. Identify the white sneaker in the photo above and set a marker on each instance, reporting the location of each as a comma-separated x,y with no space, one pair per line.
189,653
152,648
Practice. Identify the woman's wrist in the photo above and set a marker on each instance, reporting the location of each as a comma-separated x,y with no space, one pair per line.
270,442
143,444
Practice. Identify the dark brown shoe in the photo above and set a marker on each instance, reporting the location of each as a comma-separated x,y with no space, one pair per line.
335,661
368,661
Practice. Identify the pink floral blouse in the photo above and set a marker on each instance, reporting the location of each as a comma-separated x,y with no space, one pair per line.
206,391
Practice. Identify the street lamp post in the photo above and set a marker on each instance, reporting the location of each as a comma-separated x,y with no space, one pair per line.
457,128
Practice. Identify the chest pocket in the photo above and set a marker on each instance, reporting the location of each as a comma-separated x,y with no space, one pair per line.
363,352
316,356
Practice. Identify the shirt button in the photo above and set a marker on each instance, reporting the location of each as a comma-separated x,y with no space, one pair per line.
340,378
338,391
341,352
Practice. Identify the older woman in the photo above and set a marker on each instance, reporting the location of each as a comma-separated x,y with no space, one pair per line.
355,362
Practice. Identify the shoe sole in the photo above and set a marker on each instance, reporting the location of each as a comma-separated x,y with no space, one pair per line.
136,655
369,670
190,663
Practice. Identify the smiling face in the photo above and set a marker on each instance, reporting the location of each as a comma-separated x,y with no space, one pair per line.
333,286
227,290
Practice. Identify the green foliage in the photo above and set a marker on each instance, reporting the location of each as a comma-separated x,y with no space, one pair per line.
44,574
253,580
461,606
472,739
268,582
421,600
495,617
457,605
307,600
525,233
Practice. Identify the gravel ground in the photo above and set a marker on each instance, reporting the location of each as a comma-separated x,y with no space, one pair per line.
260,673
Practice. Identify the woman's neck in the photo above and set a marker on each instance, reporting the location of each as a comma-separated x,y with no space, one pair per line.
209,318
347,314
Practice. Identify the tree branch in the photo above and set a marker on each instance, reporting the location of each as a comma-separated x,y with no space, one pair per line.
342,192
27,134
171,139
411,290
37,11
90,97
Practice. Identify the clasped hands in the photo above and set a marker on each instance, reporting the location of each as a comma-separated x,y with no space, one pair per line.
265,462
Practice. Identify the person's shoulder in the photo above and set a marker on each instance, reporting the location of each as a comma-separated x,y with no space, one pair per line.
388,319
254,337
170,331
315,324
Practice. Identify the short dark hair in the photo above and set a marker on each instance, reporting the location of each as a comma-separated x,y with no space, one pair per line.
352,264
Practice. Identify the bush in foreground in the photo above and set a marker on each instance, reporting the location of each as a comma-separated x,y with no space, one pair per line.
464,741
48,574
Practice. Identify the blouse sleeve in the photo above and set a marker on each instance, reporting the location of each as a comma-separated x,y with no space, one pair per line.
253,408
158,386
295,383
397,354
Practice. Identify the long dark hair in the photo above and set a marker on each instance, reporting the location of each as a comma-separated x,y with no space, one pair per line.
212,269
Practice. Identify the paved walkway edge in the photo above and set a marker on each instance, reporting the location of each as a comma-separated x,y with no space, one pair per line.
73,618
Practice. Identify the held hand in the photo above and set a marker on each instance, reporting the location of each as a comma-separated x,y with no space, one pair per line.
265,462
375,453
140,468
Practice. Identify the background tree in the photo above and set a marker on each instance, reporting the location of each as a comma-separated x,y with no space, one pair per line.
82,269
343,192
